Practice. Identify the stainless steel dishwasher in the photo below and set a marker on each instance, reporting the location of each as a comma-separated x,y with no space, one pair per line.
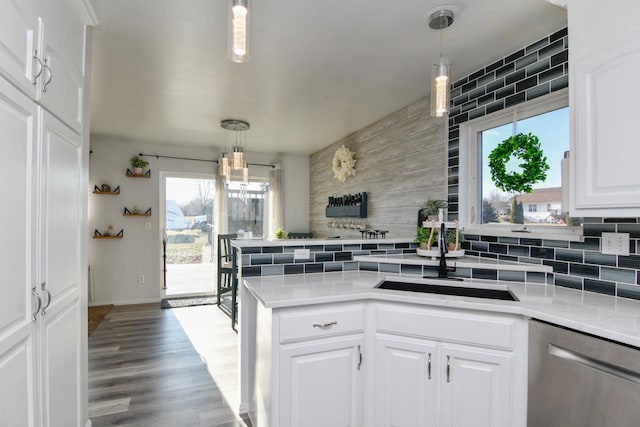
580,380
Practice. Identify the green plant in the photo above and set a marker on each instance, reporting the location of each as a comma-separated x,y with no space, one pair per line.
137,162
422,235
432,206
281,234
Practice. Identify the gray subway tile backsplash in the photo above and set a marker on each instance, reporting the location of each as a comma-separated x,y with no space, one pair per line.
531,71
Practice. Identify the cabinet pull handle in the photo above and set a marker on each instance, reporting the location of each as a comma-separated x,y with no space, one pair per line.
325,325
448,368
359,358
44,288
40,68
34,292
44,86
429,367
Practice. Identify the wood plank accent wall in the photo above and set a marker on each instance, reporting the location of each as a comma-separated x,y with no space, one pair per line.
400,164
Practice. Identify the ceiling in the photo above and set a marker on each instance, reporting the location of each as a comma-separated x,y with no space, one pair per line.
319,69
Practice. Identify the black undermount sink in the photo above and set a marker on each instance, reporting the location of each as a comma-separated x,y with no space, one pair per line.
431,288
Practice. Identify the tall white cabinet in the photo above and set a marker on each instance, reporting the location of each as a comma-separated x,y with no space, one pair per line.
44,179
603,66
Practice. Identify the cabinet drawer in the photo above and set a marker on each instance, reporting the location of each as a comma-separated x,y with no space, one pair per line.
446,325
317,321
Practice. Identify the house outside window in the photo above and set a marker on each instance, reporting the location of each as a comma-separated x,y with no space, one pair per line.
487,208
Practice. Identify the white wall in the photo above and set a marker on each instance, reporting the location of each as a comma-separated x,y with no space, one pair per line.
116,264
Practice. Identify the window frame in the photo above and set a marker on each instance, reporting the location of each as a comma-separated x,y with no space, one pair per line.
470,164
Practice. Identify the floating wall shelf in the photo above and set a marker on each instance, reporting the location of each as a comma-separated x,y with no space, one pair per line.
130,174
128,212
98,235
98,190
349,205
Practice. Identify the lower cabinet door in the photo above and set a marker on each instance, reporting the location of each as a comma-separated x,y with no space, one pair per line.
406,381
18,297
476,387
61,274
321,383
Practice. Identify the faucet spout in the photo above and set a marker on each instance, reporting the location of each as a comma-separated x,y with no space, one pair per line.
443,270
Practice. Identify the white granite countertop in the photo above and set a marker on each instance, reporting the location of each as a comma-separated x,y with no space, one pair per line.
464,261
248,243
609,317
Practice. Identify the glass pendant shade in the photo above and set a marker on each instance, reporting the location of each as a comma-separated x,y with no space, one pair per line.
245,173
440,88
238,158
238,40
224,168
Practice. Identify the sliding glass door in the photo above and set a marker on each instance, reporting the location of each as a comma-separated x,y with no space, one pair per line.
188,235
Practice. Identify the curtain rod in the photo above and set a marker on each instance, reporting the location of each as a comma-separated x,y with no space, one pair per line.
157,156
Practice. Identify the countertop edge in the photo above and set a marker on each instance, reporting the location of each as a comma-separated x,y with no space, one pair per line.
520,308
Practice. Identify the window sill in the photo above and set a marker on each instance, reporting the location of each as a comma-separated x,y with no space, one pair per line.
571,234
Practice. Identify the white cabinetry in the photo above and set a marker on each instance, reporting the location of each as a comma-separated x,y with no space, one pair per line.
18,124
309,367
429,366
42,53
61,51
42,320
60,270
448,368
406,381
604,66
321,382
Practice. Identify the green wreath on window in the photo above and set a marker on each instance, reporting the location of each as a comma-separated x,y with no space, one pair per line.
534,166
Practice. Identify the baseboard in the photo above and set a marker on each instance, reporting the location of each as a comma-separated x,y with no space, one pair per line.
129,302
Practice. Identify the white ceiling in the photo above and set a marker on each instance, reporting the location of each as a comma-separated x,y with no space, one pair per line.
320,69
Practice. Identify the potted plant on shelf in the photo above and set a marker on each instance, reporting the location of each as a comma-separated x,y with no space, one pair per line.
424,233
138,164
431,207
422,237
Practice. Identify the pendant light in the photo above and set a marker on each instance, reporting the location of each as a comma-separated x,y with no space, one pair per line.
238,40
237,160
441,72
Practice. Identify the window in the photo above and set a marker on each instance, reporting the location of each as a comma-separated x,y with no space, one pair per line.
247,209
487,206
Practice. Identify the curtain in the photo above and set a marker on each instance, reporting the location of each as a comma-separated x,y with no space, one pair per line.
275,219
221,214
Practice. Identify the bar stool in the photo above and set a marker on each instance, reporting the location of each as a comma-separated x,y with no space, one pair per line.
227,276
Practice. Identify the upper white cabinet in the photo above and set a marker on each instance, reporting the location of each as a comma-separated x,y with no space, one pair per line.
62,37
42,53
19,43
604,64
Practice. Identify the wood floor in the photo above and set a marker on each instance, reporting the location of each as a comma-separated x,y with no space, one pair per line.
169,368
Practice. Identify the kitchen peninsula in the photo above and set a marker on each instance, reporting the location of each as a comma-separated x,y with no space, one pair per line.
298,325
